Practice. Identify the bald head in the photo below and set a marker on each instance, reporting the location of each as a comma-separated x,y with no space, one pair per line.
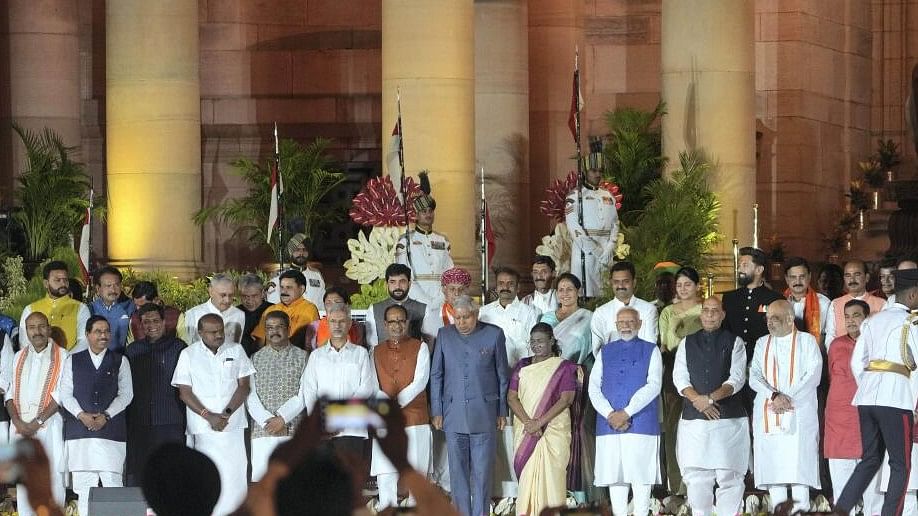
780,318
38,330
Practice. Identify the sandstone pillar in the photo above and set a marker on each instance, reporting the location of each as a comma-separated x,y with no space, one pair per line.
428,53
153,135
708,83
44,77
502,123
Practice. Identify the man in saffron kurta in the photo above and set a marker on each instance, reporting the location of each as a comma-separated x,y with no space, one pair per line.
402,366
856,278
785,372
713,437
37,370
274,402
841,442
96,387
624,389
300,311
66,315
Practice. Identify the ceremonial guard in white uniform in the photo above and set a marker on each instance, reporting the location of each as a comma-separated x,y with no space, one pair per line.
883,364
424,250
594,239
786,369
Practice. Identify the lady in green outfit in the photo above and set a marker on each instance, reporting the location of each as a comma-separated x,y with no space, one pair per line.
677,320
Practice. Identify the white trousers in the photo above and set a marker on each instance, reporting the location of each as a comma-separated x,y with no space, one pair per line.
83,481
227,450
419,446
262,448
840,471
699,485
799,492
618,493
51,439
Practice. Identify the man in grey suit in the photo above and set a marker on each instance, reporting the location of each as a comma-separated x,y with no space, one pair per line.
468,401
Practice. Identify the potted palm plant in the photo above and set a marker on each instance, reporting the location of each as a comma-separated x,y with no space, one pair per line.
51,195
307,175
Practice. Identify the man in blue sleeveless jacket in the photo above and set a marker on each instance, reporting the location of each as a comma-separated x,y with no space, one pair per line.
95,389
625,391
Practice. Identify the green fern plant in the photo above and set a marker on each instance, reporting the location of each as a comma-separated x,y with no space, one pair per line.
632,155
307,176
678,223
52,194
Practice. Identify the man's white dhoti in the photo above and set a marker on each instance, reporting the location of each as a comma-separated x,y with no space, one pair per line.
709,452
51,438
420,443
628,459
227,450
262,448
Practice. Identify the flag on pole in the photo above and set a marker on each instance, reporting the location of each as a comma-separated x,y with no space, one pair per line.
83,249
393,158
576,99
276,189
489,234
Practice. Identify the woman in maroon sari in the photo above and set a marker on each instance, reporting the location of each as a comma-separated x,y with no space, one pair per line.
542,388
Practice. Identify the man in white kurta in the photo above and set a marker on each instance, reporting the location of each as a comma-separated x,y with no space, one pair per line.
37,371
624,389
95,429
222,292
406,385
274,402
212,376
785,372
339,370
6,376
544,296
713,436
603,323
516,319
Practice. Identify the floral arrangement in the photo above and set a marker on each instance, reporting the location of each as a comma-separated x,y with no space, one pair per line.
378,206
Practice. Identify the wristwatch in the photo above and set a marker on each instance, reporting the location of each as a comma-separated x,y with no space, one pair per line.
41,422
710,400
228,411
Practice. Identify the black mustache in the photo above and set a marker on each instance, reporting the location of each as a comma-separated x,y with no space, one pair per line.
505,291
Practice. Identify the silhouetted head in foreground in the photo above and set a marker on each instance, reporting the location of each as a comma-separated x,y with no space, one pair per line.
179,481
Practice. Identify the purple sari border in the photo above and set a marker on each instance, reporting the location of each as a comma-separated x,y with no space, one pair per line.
529,441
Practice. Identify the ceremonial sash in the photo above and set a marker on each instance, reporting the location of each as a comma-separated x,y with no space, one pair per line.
774,378
810,312
50,382
447,313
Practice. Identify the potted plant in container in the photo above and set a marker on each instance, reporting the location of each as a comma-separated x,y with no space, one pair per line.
888,157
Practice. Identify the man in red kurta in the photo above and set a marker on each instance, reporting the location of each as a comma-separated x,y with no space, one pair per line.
841,443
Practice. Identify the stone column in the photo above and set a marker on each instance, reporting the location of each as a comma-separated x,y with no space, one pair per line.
502,123
428,52
708,82
153,134
44,77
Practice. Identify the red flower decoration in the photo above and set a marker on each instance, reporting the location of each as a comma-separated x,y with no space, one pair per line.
378,205
554,203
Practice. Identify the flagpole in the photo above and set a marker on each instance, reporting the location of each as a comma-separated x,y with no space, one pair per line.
484,242
88,263
580,171
401,164
280,209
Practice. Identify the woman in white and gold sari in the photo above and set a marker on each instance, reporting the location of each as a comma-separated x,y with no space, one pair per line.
542,388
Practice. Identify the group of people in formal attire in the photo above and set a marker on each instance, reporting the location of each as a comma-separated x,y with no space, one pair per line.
523,401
